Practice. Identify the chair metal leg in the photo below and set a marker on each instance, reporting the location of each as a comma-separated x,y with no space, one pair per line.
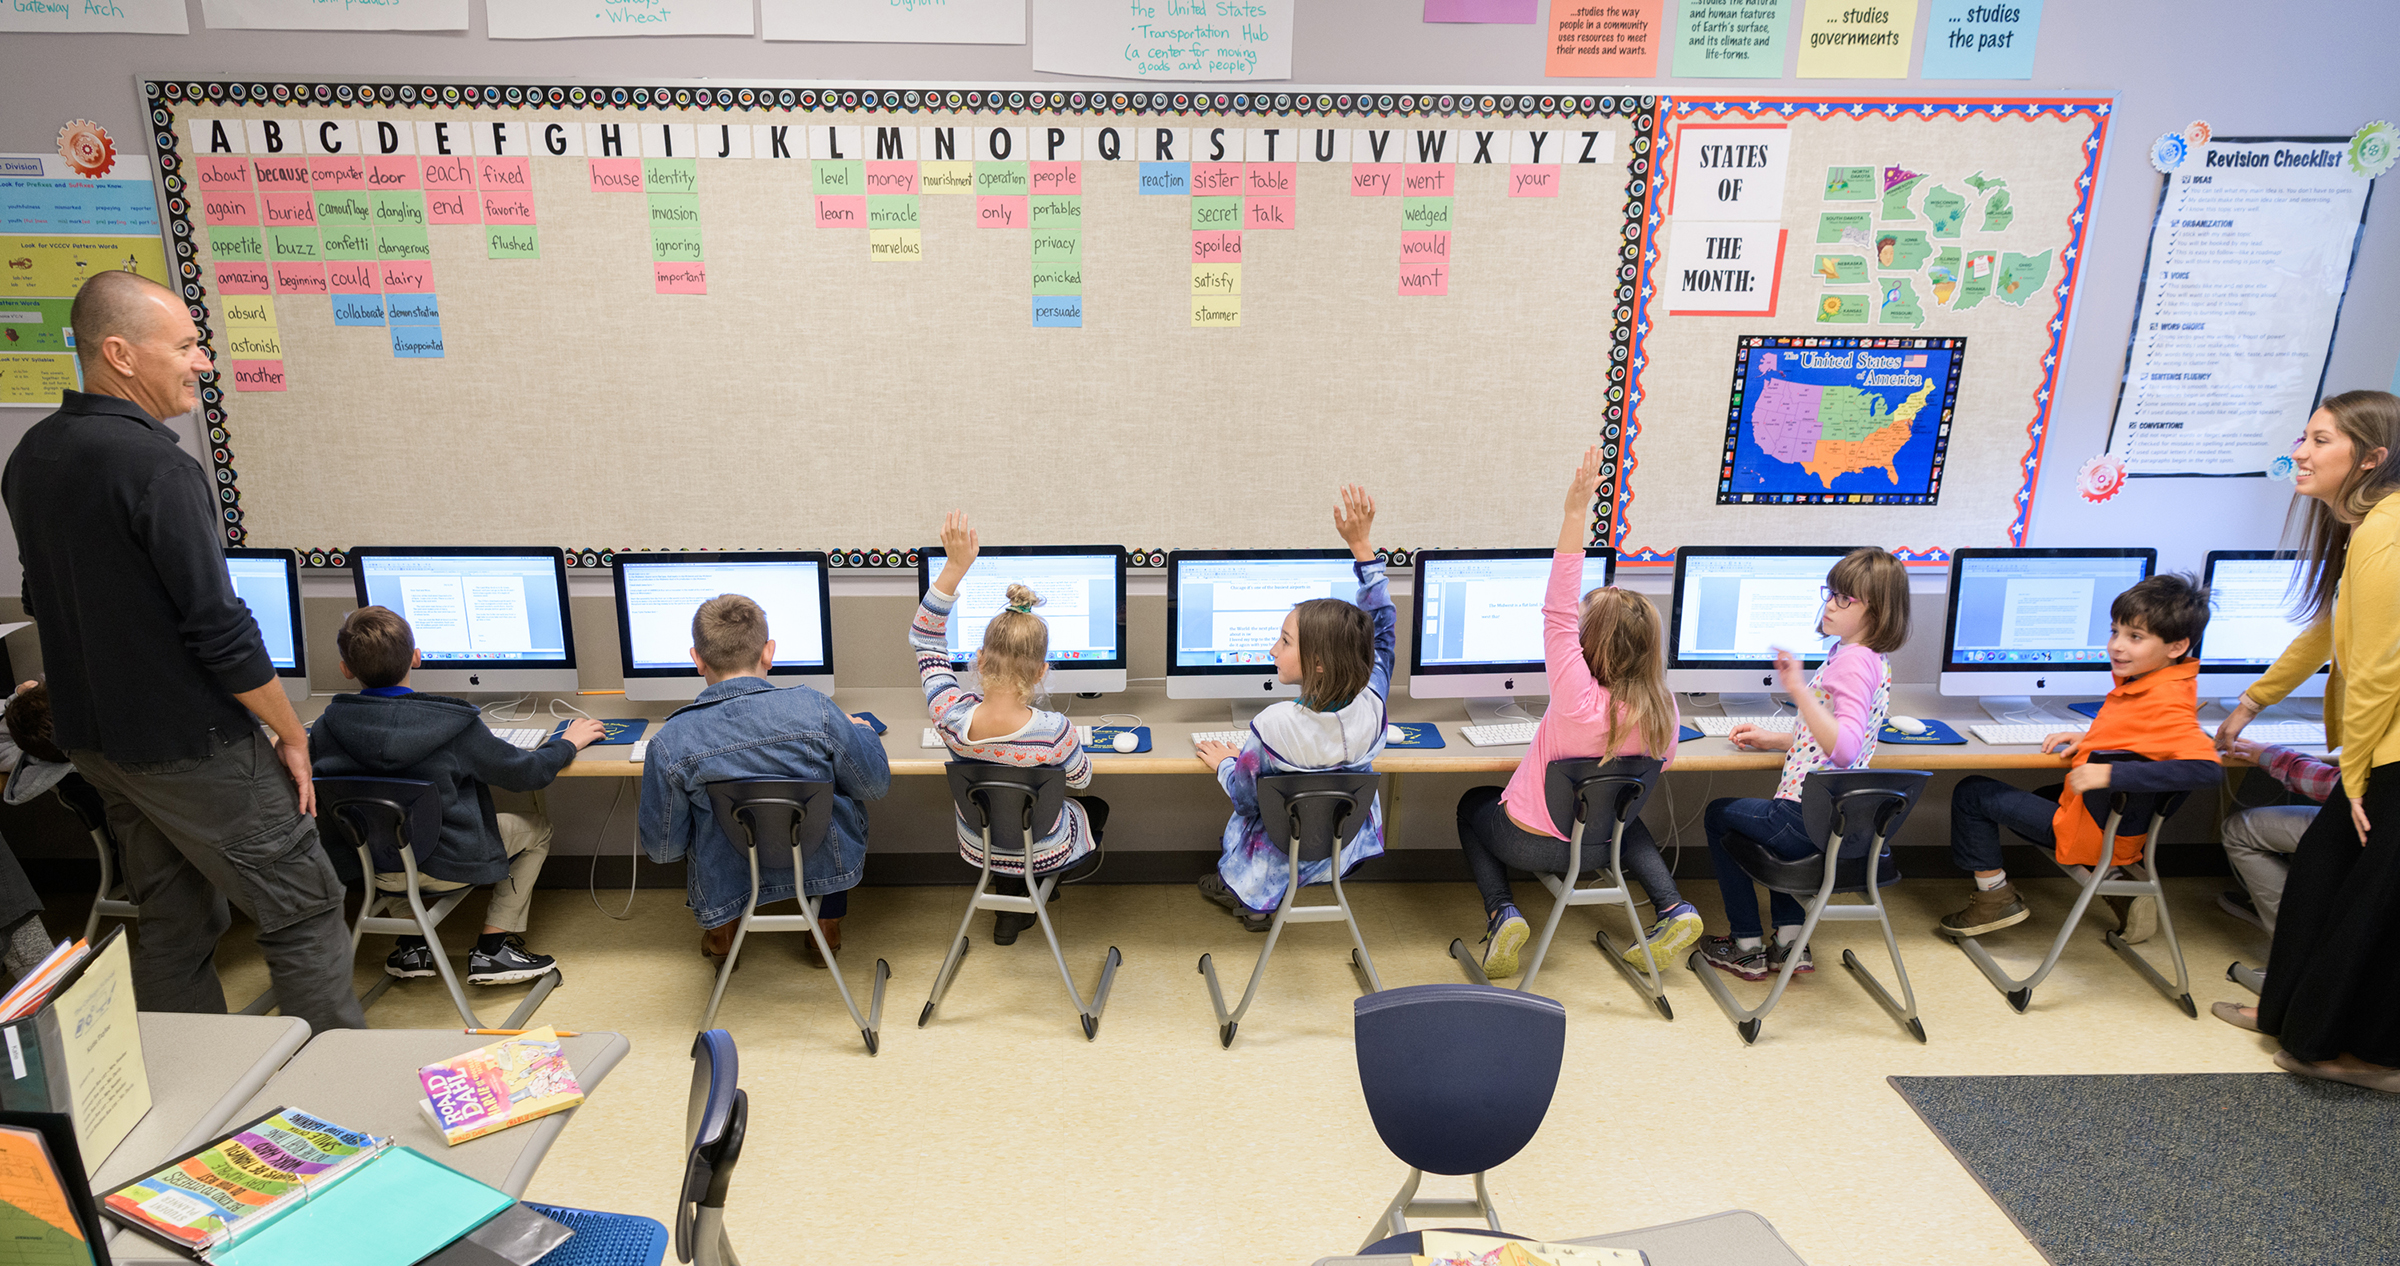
2019,992
1229,1021
870,1024
1651,983
1559,900
733,954
1394,1218
1466,959
1748,1022
1903,1011
958,946
1039,892
1361,962
711,1246
2179,993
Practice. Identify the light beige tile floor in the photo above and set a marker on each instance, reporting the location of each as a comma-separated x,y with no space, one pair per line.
997,1132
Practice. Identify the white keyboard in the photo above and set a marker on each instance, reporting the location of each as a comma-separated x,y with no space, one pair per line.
1719,727
528,738
1505,734
1230,738
2286,733
639,751
2000,735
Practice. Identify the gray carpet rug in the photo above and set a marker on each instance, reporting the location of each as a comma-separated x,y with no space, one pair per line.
2222,1168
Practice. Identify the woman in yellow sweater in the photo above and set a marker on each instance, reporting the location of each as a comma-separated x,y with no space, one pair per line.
2332,995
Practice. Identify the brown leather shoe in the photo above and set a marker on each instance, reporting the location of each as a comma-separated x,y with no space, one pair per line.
717,942
1986,911
833,938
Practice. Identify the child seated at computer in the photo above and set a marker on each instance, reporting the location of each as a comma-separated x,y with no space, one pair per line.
2153,712
1841,710
1340,655
1000,723
387,730
1604,657
743,726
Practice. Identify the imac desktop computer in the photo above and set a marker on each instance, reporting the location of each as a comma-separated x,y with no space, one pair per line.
1479,626
2251,596
1083,601
487,619
2027,622
1225,609
1736,605
268,582
658,592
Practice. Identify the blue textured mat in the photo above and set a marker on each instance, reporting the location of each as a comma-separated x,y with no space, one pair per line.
2223,1168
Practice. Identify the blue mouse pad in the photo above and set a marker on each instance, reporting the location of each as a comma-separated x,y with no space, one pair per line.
873,721
1103,735
1687,733
1418,734
612,730
2090,708
1937,734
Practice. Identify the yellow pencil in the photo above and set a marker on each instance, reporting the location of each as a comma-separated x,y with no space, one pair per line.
515,1032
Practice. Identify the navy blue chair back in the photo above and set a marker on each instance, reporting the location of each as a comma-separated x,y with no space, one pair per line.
1019,805
1311,816
1458,1077
2138,808
1847,809
714,1124
380,815
773,812
1599,792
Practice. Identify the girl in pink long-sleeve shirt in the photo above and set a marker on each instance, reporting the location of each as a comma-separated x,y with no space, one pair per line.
1608,697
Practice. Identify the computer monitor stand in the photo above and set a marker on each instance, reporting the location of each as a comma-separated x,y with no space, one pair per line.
1746,703
1498,710
1246,710
2015,710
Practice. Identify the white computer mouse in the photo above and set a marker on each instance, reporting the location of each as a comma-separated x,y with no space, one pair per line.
1394,734
1909,726
1125,741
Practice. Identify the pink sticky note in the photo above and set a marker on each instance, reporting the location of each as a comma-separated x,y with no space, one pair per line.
1426,180
1057,178
397,171
503,206
230,206
287,210
1428,279
337,172
843,211
1216,246
1002,211
1271,213
1374,180
449,173
616,175
681,279
1271,180
504,174
1216,180
413,277
353,277
244,279
258,375
1419,248
280,173
1528,181
891,178
300,279
210,172
1514,12
452,206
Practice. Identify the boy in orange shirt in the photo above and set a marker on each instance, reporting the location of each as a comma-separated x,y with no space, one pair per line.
2152,712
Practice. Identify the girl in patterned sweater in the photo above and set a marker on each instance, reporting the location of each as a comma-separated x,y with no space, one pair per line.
1000,725
1841,711
1340,655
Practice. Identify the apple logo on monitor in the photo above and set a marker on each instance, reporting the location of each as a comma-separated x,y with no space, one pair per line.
2041,683
1266,685
474,679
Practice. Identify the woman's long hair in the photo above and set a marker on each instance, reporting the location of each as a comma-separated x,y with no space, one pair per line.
2370,420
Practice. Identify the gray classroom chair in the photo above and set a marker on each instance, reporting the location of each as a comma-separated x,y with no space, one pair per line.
1852,814
1582,790
788,816
2116,811
382,818
1310,817
111,901
1004,803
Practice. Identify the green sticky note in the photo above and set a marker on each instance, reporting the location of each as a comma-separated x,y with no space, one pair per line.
670,175
1720,40
402,243
512,241
1896,302
237,241
1057,212
1997,213
399,207
349,241
1901,248
1057,245
674,245
344,208
1849,184
1216,213
1002,179
675,213
1840,309
293,245
1895,199
1841,269
840,176
1947,208
891,211
1058,279
1419,214
1844,227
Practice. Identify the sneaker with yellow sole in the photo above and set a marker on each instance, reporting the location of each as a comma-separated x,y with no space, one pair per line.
1673,933
1503,938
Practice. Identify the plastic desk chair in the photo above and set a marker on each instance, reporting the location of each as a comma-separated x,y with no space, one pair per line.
111,901
1310,817
714,1124
789,819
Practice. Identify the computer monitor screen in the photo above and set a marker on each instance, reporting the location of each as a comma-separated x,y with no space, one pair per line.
657,594
1082,588
488,614
268,582
1735,606
1225,608
1480,611
2251,596
2017,610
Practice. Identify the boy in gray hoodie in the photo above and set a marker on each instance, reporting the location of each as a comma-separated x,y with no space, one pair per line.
387,730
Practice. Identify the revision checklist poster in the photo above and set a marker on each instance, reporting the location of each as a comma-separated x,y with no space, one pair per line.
2248,261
